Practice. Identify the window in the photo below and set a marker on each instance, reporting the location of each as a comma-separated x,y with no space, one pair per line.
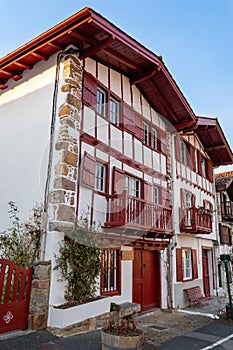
154,138
114,111
100,177
133,186
187,263
100,101
146,133
156,195
185,158
203,166
110,272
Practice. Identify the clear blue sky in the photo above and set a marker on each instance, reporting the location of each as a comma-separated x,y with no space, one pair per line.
193,36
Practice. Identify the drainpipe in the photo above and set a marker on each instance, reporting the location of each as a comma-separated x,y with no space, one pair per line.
216,241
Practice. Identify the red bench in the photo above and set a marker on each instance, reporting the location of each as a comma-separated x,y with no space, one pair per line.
195,295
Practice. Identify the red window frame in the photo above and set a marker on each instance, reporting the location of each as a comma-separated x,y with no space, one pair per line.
111,272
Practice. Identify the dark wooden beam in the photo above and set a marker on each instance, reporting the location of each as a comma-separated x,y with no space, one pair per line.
39,55
94,49
55,45
147,74
74,34
186,126
123,59
164,102
22,65
214,148
17,77
2,86
8,74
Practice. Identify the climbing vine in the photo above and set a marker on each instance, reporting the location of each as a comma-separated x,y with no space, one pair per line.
79,261
21,241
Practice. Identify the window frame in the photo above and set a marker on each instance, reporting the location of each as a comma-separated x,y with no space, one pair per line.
154,140
156,189
109,286
146,133
114,114
185,266
132,190
101,105
100,179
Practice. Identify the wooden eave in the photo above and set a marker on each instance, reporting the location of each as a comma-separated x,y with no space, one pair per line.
213,139
99,39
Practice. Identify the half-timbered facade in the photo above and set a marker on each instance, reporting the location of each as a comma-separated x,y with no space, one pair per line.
94,122
224,181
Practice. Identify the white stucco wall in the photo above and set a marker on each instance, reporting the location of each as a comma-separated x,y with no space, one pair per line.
25,116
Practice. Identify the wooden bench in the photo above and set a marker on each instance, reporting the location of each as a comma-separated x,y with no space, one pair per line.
195,295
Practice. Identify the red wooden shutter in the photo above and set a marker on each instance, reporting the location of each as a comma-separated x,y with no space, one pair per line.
118,180
163,141
179,270
178,151
194,264
192,157
165,197
193,200
89,90
128,118
88,175
209,170
148,192
139,132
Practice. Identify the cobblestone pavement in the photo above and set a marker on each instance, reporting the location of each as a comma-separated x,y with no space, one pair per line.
160,326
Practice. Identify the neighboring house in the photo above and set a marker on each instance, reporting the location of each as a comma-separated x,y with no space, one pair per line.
225,220
92,119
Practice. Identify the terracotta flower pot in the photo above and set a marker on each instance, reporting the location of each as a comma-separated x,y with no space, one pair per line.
111,341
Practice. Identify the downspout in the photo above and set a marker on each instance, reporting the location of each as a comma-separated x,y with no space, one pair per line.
216,242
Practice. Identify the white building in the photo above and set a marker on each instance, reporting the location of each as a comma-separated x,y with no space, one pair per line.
92,119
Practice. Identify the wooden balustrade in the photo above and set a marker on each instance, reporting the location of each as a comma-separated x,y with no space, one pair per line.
123,210
195,221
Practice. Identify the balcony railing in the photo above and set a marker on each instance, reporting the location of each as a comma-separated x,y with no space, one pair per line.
227,210
196,221
127,211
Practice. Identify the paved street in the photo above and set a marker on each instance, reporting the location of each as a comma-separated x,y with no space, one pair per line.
192,328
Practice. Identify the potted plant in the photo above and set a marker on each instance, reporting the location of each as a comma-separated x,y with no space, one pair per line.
121,331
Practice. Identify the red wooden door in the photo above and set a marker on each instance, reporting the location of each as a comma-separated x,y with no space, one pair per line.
146,279
206,277
15,288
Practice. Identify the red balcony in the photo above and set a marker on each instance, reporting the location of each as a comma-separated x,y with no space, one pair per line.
197,221
131,214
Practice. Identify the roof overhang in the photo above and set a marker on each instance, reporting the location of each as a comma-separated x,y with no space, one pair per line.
99,39
213,139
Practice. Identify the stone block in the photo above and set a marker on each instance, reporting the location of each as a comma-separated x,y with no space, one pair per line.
65,110
42,270
127,309
70,158
64,183
73,100
57,196
61,169
65,213
38,321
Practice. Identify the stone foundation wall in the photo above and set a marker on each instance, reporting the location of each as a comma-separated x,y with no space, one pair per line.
39,302
127,312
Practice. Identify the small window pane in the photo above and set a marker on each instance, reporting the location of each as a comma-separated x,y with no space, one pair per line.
154,138
100,175
146,133
156,195
114,111
101,100
110,268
